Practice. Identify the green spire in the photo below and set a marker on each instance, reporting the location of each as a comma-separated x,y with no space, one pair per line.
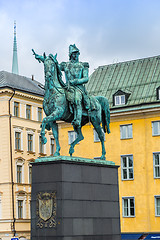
15,59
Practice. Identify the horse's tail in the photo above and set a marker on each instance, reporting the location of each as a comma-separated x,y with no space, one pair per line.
105,113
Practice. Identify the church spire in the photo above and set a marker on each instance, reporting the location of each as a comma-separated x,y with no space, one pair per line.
15,59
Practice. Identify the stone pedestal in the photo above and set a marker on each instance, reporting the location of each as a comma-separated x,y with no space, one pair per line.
74,199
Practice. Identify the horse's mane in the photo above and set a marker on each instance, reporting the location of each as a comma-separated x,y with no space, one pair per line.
59,74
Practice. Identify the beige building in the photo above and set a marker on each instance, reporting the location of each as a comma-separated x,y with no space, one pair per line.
20,118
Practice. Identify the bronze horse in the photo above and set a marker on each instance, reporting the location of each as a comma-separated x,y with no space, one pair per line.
56,107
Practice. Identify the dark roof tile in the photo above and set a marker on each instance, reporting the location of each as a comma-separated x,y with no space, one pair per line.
140,78
20,83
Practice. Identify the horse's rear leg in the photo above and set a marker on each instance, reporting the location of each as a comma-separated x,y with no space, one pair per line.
78,139
100,133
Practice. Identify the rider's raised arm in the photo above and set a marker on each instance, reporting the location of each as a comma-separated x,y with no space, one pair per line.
38,57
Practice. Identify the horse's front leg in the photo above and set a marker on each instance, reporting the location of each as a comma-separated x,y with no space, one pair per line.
42,133
56,115
55,134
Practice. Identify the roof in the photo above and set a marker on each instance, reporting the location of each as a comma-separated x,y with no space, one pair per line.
20,83
137,78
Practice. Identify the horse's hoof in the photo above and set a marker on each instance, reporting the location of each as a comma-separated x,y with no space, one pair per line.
56,154
103,157
71,151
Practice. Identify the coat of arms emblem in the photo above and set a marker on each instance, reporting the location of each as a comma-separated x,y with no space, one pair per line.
46,209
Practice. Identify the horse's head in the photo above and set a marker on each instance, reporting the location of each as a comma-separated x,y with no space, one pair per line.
50,65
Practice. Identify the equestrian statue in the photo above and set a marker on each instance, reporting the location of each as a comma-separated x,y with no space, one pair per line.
69,101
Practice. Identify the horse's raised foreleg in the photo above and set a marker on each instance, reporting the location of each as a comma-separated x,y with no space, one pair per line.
55,134
78,139
56,115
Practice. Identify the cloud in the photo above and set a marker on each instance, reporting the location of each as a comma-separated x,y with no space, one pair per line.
105,31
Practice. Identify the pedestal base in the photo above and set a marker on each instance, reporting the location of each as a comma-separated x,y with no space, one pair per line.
74,199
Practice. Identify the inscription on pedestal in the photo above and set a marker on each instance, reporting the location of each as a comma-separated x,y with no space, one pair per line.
46,209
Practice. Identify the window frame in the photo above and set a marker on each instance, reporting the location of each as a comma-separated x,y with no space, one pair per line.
154,166
30,174
39,114
28,111
21,209
18,130
20,163
155,204
21,196
30,142
19,173
16,109
126,131
127,168
129,207
41,146
153,134
17,141
119,98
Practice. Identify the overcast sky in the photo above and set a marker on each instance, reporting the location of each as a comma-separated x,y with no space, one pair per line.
105,31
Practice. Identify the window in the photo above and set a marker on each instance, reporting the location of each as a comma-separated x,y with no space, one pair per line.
28,111
72,135
16,109
156,165
120,100
128,206
41,146
17,140
157,206
20,170
30,174
155,128
21,200
39,114
126,131
96,138
19,174
52,146
20,208
127,167
30,142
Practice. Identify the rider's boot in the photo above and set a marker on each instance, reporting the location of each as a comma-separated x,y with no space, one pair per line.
78,120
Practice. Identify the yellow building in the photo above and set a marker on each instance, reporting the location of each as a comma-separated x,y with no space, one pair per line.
133,91
20,118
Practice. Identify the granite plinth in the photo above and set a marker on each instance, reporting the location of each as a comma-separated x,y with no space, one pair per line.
87,199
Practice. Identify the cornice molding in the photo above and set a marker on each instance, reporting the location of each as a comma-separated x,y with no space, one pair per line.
21,94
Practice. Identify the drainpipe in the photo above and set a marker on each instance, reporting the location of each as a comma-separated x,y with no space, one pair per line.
12,182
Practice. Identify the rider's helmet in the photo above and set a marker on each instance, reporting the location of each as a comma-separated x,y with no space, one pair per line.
72,49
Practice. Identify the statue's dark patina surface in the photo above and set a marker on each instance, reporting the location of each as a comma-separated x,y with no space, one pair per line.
70,101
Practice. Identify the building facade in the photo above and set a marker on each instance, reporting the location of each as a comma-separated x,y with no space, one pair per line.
133,91
20,118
